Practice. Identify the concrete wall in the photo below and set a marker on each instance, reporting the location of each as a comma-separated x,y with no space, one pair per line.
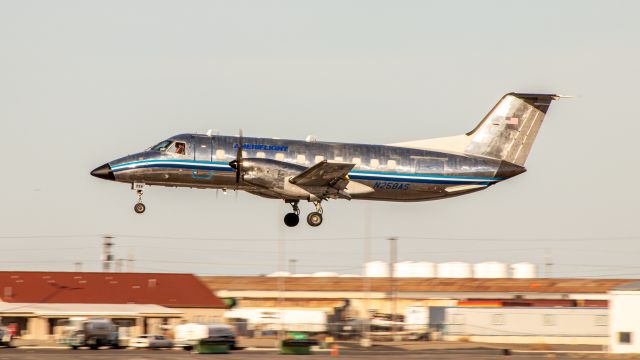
624,308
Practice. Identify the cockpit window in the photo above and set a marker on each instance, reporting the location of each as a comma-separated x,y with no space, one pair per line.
162,145
180,148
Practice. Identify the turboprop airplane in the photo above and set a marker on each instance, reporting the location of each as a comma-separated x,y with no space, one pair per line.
314,171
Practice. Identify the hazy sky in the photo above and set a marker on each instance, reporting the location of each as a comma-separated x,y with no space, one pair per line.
85,82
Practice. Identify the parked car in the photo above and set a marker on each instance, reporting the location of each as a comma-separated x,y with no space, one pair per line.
5,336
151,341
188,336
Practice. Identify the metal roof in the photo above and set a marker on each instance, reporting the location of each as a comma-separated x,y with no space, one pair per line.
87,309
171,290
505,285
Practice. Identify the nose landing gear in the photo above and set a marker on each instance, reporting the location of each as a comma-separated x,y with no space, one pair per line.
139,206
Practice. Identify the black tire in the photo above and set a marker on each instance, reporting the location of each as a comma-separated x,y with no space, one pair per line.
291,219
314,219
74,348
139,208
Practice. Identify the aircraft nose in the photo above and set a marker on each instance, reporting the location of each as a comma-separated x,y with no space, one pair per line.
103,172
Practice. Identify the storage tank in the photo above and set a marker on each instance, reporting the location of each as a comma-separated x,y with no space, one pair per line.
454,269
324,274
490,270
403,269
279,274
376,269
424,269
523,270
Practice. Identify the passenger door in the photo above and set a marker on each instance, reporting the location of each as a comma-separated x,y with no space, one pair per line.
203,148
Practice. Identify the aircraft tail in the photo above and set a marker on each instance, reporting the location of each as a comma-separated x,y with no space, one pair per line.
507,132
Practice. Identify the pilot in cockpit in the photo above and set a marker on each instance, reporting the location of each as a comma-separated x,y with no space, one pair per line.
180,148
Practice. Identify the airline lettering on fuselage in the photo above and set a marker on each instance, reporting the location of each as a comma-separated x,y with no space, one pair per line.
262,147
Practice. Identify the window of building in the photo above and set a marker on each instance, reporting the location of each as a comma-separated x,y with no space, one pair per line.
356,160
391,164
301,159
280,156
338,158
220,154
319,158
548,320
497,319
601,320
374,163
624,337
261,155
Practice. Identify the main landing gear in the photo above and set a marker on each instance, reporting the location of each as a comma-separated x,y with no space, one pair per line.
313,219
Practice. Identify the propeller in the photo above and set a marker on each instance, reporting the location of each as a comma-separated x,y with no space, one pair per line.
237,163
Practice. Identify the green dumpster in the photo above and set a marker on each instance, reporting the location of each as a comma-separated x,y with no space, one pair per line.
297,344
213,346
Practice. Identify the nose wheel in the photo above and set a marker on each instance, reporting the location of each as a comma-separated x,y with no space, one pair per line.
139,206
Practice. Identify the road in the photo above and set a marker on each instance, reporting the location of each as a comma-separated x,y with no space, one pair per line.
64,354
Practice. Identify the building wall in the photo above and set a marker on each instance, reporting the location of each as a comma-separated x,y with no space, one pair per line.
624,308
547,325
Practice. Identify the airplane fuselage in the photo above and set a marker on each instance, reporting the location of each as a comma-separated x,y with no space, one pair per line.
393,173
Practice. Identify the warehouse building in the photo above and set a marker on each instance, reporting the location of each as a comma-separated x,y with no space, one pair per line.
33,304
367,295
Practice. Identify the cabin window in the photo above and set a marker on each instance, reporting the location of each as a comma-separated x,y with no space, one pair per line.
301,159
280,156
624,337
391,164
261,155
319,158
338,158
374,163
220,154
357,161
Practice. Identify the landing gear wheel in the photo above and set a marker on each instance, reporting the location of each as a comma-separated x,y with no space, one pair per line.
314,219
291,219
139,208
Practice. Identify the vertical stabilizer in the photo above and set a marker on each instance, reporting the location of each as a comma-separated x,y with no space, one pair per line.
506,133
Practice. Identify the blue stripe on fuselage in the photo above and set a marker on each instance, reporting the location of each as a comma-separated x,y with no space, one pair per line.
355,175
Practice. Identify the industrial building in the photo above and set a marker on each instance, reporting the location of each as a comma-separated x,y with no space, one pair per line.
33,303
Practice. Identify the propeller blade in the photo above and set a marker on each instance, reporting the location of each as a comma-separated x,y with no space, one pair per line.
239,157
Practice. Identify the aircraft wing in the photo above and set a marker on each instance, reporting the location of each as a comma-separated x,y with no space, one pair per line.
324,173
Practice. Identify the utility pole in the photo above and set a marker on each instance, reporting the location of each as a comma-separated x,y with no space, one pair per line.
107,255
292,266
548,264
366,281
393,258
130,261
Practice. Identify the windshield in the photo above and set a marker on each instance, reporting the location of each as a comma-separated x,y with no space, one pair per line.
161,146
